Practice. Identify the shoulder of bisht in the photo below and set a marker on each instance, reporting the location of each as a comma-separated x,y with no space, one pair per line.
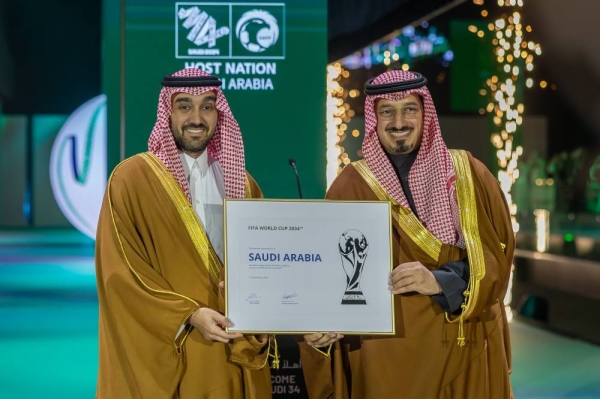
407,220
188,216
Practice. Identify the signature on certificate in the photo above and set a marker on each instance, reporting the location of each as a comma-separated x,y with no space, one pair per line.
253,298
289,299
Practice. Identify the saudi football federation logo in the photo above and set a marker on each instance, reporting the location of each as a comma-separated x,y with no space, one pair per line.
353,247
257,30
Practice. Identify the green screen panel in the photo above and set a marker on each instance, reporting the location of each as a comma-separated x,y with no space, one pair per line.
46,212
473,64
271,56
13,170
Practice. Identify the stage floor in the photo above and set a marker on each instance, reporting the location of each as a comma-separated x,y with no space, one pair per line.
49,321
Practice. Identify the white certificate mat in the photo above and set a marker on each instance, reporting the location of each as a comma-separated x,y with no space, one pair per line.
308,266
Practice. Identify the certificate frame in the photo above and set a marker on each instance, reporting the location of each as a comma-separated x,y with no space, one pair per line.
261,237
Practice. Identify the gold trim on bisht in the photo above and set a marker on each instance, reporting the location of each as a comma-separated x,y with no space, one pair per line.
189,218
272,338
408,222
247,188
465,193
322,352
179,341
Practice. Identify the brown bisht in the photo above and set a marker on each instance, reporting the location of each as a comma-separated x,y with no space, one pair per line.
433,355
155,267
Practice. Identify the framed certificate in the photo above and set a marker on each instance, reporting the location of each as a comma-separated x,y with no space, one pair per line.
297,267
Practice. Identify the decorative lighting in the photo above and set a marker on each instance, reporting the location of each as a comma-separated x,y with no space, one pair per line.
542,229
407,46
510,47
338,116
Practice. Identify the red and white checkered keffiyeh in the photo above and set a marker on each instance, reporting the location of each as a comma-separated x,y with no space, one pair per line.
226,145
431,178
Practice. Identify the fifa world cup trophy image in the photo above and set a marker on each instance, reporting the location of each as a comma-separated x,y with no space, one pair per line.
353,247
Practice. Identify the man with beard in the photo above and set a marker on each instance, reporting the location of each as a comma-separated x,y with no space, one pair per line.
159,254
453,244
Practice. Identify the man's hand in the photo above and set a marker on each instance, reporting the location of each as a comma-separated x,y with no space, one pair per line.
211,325
413,277
320,340
262,338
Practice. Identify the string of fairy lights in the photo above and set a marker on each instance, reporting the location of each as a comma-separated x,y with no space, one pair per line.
515,58
514,55
338,117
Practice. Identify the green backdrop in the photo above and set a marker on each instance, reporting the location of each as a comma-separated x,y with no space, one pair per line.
271,55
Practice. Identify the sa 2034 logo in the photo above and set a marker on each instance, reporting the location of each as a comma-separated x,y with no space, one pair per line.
230,30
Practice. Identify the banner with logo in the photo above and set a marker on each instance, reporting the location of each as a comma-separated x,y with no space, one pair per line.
78,165
270,55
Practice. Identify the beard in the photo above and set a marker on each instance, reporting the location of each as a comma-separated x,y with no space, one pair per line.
402,147
189,144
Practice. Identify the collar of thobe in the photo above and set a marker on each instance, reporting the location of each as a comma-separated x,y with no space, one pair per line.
403,161
201,161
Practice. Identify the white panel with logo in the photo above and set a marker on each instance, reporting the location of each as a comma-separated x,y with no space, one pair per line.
78,165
